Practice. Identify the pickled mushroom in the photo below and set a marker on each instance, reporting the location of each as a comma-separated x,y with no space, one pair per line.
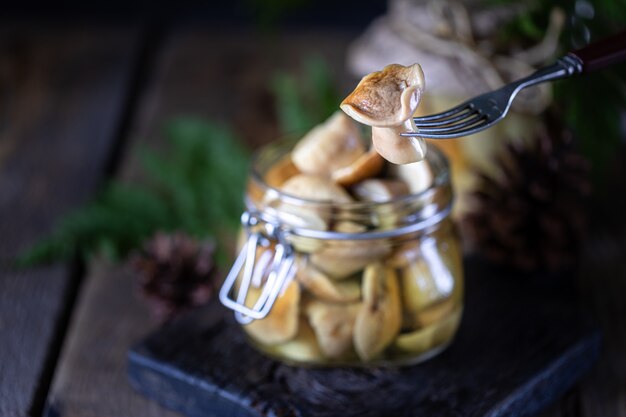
318,284
435,313
422,287
281,324
302,348
330,146
404,255
342,258
417,175
297,216
379,318
346,226
333,325
308,187
315,188
367,165
280,172
436,334
386,100
380,190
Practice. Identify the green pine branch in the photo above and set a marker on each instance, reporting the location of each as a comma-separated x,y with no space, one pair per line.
305,101
195,185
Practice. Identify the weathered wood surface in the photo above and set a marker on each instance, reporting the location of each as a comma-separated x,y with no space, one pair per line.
202,73
62,94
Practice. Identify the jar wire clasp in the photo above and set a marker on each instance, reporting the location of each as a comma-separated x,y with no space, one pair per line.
260,234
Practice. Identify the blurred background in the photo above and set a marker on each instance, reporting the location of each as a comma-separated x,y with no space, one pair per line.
111,113
239,13
536,171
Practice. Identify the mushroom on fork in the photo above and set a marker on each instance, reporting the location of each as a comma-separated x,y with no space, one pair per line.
386,100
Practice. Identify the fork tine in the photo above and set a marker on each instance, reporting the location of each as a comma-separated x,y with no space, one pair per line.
440,116
462,115
484,124
475,118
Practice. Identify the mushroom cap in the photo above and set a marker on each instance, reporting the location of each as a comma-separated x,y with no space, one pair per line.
386,98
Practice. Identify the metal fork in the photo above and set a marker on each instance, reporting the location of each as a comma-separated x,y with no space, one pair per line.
486,110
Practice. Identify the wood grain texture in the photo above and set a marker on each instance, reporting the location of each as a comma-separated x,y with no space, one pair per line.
91,380
61,95
214,75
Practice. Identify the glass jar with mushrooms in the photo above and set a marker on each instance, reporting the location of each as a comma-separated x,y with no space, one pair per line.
348,258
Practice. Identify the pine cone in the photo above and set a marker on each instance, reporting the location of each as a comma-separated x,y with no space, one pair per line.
175,273
533,215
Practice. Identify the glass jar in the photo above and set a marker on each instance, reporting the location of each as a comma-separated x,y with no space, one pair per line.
347,283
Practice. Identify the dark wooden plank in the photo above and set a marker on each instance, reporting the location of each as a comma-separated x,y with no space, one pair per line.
520,346
568,406
602,290
209,74
603,294
61,95
90,379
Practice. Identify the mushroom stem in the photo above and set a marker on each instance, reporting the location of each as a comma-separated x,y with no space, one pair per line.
399,149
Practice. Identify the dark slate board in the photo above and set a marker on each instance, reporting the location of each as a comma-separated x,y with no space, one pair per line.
521,345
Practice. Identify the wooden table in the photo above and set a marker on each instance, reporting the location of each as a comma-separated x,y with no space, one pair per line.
74,103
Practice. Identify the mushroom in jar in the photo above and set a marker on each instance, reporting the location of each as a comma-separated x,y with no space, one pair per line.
280,172
368,165
379,318
342,258
281,324
429,291
318,284
330,146
333,325
302,348
308,187
315,188
426,338
380,190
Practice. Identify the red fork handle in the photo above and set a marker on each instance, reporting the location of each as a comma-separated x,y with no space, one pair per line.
601,54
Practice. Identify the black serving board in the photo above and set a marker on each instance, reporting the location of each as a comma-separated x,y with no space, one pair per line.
522,343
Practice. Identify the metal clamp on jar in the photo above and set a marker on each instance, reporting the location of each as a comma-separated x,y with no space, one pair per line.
280,270
356,282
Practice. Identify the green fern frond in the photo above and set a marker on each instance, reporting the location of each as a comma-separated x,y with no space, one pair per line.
305,101
195,184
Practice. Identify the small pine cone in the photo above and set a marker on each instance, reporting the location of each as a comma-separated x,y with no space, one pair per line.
175,273
533,215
